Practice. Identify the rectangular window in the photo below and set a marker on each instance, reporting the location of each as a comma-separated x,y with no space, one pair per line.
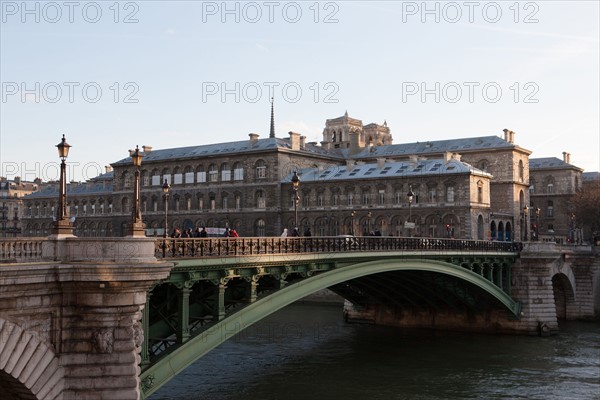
226,175
177,179
189,177
365,199
350,199
398,198
382,197
145,180
550,212
336,200
432,195
225,207
213,176
261,202
238,202
261,172
550,188
213,204
156,180
238,174
319,200
450,194
201,177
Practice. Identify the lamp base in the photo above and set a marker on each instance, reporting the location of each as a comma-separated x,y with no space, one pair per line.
136,229
63,227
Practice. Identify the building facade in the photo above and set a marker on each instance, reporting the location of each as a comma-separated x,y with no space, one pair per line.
553,182
12,192
355,181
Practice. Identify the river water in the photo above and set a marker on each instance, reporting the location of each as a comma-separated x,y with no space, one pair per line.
306,351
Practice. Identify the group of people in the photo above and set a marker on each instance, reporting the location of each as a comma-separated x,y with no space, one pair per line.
295,232
200,233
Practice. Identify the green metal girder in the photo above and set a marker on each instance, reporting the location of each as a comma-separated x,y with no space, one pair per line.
166,368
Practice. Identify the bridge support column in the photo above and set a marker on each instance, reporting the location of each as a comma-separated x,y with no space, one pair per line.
251,288
219,305
183,305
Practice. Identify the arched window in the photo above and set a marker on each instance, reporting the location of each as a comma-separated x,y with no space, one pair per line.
126,180
260,199
213,173
521,171
479,191
225,173
238,172
260,227
550,209
238,202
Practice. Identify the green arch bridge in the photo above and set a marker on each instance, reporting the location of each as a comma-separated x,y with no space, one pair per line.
219,287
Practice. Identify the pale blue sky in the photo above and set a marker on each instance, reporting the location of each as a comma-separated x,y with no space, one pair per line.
371,58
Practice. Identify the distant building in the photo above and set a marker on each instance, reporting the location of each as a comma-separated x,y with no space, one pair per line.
11,204
354,182
552,183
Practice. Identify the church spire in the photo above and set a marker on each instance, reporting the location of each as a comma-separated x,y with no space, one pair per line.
272,132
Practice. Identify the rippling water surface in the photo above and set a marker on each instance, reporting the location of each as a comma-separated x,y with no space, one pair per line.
307,352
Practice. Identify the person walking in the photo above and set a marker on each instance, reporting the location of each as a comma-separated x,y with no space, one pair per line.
285,233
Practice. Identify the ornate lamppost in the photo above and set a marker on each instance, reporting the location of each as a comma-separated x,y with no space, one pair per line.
369,222
526,222
62,225
353,214
165,189
136,228
537,223
410,195
296,185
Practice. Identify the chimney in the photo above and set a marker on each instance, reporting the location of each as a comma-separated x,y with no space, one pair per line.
380,163
447,156
294,140
456,156
567,157
147,150
509,135
350,165
108,168
413,158
354,142
18,178
253,137
302,142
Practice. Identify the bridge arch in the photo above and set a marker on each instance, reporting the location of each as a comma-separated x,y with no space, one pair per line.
29,368
564,288
163,370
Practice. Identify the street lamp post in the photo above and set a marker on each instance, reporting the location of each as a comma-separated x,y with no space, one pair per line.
526,222
165,189
369,222
136,228
62,225
353,214
537,223
296,185
410,196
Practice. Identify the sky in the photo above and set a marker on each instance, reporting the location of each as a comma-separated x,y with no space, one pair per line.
112,75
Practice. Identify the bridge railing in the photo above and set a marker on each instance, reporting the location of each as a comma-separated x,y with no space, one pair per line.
222,247
16,250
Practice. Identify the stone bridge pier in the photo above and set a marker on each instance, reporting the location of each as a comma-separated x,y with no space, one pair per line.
70,323
556,282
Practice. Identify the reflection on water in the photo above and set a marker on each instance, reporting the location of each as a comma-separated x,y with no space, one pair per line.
308,352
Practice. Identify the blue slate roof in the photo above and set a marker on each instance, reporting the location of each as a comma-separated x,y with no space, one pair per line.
435,146
86,188
549,163
389,169
223,149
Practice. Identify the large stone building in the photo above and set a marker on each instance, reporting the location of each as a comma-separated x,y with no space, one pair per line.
11,204
354,182
552,183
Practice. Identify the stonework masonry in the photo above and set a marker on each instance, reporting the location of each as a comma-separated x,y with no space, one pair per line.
70,329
